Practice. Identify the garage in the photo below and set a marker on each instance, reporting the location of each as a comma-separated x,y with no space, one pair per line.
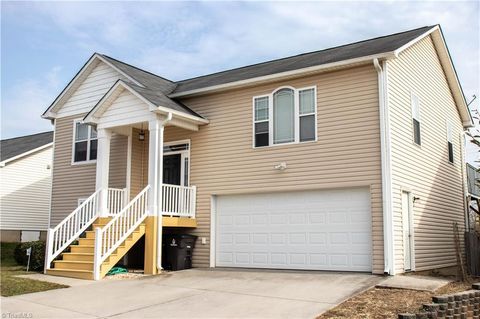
306,230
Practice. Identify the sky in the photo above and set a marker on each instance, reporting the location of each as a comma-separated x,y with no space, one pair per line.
44,44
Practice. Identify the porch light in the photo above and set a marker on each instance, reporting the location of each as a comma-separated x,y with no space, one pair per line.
141,136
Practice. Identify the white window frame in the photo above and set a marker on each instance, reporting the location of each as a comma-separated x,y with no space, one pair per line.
413,117
297,116
88,161
255,121
184,154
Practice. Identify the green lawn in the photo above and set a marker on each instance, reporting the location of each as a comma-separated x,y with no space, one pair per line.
12,285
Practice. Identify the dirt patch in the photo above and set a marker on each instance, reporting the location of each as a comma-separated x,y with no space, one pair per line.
382,303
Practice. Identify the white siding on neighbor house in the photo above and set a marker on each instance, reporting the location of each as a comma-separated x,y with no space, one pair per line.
90,91
25,192
125,108
425,170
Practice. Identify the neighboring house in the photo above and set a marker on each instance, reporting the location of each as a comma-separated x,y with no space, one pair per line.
345,159
25,186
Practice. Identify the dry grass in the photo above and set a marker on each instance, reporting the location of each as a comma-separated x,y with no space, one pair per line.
382,303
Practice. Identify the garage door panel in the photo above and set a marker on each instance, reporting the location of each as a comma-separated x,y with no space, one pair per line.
315,230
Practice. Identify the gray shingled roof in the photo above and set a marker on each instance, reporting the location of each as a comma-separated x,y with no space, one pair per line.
369,47
155,88
18,145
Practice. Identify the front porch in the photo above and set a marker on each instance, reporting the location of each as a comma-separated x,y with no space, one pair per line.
158,194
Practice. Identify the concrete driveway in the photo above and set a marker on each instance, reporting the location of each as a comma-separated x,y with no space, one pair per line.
197,293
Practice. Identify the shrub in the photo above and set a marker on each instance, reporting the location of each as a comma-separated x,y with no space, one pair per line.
37,257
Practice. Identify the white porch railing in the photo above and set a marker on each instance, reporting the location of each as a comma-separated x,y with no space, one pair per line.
69,229
178,200
113,234
116,199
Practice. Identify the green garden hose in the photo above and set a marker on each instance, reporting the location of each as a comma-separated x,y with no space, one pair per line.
117,270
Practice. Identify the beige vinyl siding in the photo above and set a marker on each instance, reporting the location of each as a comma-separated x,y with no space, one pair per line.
425,170
95,85
25,192
118,161
139,166
347,153
71,182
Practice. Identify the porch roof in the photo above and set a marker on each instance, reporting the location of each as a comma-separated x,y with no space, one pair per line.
155,100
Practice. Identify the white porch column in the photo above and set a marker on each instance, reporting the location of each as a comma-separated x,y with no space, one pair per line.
103,165
153,234
155,165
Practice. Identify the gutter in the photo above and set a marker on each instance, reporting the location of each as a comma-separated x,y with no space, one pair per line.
388,245
159,204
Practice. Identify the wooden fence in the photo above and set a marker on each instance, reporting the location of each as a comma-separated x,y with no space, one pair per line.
472,250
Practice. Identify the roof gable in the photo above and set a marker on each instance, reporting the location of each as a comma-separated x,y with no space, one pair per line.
154,100
15,147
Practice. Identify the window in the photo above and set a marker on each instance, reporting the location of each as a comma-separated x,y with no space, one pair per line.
85,143
261,121
287,115
450,141
307,115
416,119
283,116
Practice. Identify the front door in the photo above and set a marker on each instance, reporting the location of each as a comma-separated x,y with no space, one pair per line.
172,169
407,230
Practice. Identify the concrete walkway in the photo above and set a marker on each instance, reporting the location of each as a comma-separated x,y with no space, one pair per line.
414,282
198,293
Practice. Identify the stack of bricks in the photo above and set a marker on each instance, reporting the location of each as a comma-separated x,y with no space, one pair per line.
460,305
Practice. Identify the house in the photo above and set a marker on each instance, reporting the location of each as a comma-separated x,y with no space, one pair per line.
344,159
26,179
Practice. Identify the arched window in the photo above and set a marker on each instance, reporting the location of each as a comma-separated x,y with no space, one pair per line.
284,116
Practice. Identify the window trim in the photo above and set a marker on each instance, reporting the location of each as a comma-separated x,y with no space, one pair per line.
412,118
255,121
88,161
296,101
184,154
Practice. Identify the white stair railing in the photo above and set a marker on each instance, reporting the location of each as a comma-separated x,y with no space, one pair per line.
69,229
116,199
122,225
178,200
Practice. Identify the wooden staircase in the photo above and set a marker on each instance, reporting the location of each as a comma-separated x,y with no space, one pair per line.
78,262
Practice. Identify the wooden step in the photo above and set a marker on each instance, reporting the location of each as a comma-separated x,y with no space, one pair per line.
86,241
79,274
78,256
73,265
82,249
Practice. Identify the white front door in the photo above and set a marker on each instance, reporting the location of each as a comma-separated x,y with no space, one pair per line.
314,230
407,227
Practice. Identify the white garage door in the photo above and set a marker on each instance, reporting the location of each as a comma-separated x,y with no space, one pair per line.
316,230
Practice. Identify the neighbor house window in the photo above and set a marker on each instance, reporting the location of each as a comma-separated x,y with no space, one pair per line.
287,115
450,141
416,119
84,143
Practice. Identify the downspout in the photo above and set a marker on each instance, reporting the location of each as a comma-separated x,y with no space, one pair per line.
160,197
388,243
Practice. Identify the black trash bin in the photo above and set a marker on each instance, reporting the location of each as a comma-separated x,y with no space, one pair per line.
177,251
